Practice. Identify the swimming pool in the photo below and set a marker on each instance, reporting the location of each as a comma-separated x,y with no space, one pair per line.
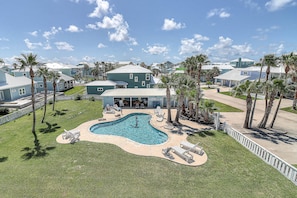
134,126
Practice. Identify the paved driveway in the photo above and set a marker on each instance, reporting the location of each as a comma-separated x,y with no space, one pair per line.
281,140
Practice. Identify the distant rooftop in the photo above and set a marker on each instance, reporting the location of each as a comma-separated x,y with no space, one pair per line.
129,69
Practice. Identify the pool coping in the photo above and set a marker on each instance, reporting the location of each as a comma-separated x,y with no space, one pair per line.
137,148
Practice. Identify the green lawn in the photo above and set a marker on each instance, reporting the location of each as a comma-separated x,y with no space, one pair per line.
221,107
289,109
228,93
75,90
88,169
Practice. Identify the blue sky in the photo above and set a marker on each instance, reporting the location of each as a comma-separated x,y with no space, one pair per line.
149,31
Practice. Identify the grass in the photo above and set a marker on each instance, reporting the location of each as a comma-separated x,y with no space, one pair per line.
88,169
289,109
75,90
225,108
243,97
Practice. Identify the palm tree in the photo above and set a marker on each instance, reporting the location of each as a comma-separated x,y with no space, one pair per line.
96,70
294,78
207,108
286,59
43,71
86,69
30,60
201,59
54,76
166,81
182,85
247,88
2,61
272,87
270,61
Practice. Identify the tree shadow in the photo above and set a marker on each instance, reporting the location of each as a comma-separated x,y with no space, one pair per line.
50,128
3,159
37,151
273,136
60,113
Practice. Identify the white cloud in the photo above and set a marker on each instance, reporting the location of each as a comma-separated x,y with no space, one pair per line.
47,46
170,24
156,50
114,22
252,4
4,39
102,7
34,33
92,26
53,31
225,48
193,45
64,46
274,5
31,45
218,12
101,45
73,28
75,1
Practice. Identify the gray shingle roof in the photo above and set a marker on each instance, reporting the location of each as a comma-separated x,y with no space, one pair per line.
129,69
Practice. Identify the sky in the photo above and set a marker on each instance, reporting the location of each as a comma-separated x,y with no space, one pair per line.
149,31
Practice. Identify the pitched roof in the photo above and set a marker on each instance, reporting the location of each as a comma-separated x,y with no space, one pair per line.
13,82
232,75
129,69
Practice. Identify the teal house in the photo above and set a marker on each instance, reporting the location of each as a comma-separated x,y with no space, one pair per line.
98,87
131,76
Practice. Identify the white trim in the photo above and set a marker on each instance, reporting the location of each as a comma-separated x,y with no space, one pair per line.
136,79
143,83
22,91
131,76
147,76
100,89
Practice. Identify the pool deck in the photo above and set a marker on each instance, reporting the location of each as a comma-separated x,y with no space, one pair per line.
174,137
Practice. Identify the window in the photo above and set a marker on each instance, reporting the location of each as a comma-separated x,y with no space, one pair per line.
1,95
22,91
136,79
143,83
135,87
131,76
99,89
147,76
148,86
40,85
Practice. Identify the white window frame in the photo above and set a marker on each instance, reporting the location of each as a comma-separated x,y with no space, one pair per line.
148,86
40,85
131,76
22,91
100,89
143,83
136,87
147,76
136,79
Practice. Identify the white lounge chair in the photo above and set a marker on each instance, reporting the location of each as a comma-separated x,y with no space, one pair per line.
182,153
72,135
195,148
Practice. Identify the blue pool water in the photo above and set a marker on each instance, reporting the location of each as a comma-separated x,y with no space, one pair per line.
134,126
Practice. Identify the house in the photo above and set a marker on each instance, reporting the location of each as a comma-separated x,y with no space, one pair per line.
98,87
135,76
236,76
137,98
64,83
242,63
13,88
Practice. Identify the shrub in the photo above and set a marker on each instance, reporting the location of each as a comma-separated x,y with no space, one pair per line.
78,97
50,102
4,111
92,98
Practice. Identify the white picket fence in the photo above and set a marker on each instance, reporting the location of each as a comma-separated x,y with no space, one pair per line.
283,167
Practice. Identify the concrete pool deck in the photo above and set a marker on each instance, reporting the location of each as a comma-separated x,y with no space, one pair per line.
174,139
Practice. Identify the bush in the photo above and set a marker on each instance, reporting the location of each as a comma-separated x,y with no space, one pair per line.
78,97
4,111
50,102
92,98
